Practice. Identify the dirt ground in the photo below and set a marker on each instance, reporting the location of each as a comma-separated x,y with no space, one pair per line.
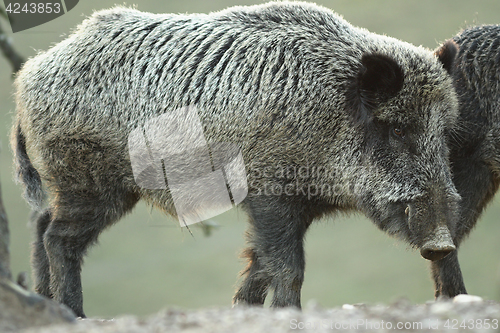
463,314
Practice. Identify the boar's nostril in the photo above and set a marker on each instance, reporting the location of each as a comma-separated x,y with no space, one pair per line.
437,253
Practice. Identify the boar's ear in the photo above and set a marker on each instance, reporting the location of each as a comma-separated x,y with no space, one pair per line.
379,78
446,54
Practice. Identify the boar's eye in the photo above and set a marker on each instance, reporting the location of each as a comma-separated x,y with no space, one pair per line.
398,132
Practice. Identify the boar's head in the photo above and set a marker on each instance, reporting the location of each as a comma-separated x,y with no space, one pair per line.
404,109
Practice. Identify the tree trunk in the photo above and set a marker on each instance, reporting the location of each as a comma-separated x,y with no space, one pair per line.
10,53
4,242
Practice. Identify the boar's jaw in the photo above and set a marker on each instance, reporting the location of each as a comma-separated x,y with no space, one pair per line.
391,218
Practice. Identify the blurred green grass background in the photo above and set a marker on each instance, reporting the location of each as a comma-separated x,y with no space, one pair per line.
147,262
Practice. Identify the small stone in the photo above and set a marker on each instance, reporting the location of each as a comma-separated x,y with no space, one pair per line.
348,307
464,298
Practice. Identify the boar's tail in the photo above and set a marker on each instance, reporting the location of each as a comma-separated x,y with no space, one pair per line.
26,172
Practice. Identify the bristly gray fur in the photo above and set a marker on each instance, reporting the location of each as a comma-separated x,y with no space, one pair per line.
293,84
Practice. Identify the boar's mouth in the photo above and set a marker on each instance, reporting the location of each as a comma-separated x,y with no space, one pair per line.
430,234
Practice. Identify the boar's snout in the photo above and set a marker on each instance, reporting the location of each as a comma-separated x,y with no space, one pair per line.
439,246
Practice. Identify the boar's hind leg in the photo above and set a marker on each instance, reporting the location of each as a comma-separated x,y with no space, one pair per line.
276,252
77,221
255,287
39,260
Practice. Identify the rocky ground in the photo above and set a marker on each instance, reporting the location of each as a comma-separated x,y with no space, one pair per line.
463,314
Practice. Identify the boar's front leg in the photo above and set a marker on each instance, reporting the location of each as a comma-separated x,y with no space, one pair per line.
276,253
447,276
476,185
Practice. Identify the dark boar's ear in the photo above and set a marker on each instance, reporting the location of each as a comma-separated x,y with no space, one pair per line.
446,54
379,78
